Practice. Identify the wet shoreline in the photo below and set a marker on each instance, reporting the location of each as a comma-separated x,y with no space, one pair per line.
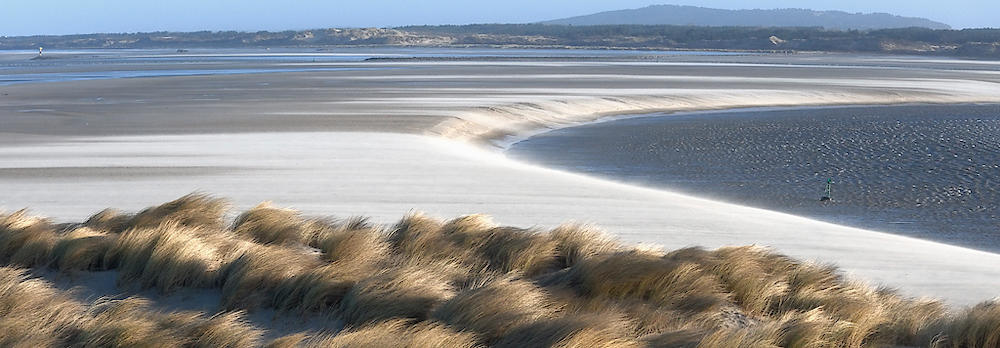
926,171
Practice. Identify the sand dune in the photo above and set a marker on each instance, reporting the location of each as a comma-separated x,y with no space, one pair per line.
424,282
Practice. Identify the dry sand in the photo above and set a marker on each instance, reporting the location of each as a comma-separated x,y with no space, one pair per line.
382,142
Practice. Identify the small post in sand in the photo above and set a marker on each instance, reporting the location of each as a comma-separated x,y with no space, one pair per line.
828,193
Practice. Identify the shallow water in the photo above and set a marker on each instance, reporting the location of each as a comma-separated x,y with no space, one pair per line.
23,66
10,79
929,171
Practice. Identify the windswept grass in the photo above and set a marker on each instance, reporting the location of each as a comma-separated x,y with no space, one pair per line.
166,257
33,314
251,280
509,249
26,240
577,242
353,243
108,220
132,323
269,225
396,333
424,282
578,331
495,306
408,293
977,327
83,249
320,289
420,237
193,210
636,275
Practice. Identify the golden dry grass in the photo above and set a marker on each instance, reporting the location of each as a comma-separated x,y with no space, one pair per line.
396,333
82,249
577,242
195,210
636,275
33,314
166,257
977,327
353,244
424,282
108,220
495,306
408,293
270,225
510,249
251,280
26,240
320,289
601,330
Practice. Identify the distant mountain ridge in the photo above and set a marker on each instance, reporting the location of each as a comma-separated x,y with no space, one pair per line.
702,16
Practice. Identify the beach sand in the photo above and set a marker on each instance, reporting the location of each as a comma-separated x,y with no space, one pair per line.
418,135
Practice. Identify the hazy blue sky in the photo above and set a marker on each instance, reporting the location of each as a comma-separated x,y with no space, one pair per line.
27,17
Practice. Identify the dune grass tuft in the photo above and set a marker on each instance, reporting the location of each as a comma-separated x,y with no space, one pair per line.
32,313
108,220
509,249
125,323
409,293
166,257
320,289
466,229
26,240
251,279
752,276
354,244
397,333
642,276
577,242
977,327
417,236
82,249
227,329
579,331
495,306
289,341
269,225
194,210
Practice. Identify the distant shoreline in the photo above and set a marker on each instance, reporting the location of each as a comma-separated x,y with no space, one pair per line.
981,43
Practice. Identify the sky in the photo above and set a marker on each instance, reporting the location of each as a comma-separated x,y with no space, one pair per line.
36,17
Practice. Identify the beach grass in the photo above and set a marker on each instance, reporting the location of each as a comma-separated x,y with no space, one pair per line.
426,282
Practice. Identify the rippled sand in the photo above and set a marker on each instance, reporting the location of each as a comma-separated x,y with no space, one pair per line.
930,171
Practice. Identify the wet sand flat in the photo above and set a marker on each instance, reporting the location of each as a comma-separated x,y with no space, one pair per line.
928,171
